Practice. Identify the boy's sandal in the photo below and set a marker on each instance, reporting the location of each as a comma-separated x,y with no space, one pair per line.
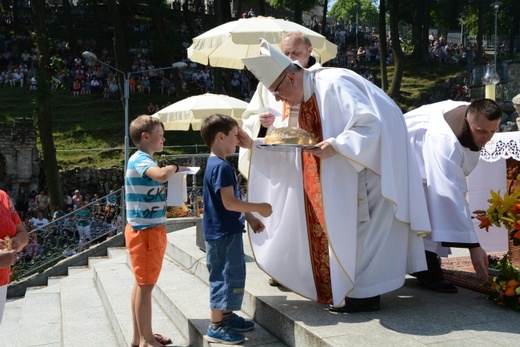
162,339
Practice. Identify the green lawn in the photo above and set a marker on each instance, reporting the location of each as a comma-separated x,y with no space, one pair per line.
84,124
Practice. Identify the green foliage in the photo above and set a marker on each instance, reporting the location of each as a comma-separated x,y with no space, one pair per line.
346,9
306,5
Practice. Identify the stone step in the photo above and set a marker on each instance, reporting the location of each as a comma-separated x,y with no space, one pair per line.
40,319
185,298
85,321
115,280
9,325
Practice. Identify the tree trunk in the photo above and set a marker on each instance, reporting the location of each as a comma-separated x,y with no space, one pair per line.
382,45
324,19
480,32
298,12
156,10
261,7
425,15
43,108
73,44
397,78
120,19
420,30
513,33
16,16
186,14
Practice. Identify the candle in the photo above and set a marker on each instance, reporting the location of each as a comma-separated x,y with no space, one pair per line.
490,91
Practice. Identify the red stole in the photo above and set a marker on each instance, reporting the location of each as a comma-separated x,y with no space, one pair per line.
309,119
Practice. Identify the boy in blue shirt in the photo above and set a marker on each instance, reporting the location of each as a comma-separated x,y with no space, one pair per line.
223,229
145,232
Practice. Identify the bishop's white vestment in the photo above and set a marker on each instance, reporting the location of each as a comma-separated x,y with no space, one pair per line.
373,202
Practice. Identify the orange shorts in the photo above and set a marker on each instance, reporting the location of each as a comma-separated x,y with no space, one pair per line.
146,248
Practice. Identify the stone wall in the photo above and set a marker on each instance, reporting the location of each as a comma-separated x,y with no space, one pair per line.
505,91
508,88
92,180
19,159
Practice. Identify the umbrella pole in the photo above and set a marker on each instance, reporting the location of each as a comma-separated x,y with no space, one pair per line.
194,188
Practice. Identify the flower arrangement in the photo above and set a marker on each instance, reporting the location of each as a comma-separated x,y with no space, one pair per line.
505,287
503,210
181,212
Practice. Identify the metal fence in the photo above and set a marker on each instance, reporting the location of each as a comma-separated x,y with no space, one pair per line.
62,238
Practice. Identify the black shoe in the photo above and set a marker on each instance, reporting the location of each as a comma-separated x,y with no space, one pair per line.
441,286
353,305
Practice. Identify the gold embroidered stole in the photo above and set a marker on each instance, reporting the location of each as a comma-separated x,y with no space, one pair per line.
309,119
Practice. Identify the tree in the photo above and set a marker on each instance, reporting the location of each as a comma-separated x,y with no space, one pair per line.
420,30
223,16
296,6
324,19
70,29
346,9
382,45
397,52
119,15
43,109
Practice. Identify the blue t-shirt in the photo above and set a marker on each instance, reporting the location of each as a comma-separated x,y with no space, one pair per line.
216,219
145,198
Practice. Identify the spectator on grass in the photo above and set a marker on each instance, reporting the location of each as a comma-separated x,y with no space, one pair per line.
77,199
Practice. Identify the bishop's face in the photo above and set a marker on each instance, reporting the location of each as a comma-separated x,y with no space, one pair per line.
288,87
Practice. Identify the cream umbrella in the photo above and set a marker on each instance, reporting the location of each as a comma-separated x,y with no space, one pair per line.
225,45
193,110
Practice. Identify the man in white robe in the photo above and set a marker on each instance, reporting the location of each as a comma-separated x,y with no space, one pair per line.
447,137
368,193
264,112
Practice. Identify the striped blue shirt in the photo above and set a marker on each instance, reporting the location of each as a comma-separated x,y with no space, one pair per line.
145,198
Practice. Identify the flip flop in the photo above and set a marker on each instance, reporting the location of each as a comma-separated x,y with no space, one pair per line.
162,339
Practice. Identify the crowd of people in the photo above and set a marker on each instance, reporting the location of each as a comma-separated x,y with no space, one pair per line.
83,221
18,62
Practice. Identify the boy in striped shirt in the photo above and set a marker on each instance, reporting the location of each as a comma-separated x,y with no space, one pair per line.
145,231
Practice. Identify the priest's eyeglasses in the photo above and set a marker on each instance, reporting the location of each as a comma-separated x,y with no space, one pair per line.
275,92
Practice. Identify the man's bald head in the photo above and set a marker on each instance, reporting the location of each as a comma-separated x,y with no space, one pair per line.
297,46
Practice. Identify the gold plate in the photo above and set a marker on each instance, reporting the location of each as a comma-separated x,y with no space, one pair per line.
281,147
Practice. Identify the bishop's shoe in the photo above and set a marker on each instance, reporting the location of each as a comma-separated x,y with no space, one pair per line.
354,305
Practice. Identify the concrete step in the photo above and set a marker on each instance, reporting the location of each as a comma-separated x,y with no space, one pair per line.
9,325
40,319
114,280
185,298
85,321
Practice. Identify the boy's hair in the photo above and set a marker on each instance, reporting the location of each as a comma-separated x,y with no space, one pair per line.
143,124
214,124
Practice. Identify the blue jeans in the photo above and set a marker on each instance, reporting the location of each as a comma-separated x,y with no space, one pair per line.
227,272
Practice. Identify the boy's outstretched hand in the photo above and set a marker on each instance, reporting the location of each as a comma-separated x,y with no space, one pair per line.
244,140
255,224
265,209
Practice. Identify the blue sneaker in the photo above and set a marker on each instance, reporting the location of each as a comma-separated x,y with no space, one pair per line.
224,335
238,323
